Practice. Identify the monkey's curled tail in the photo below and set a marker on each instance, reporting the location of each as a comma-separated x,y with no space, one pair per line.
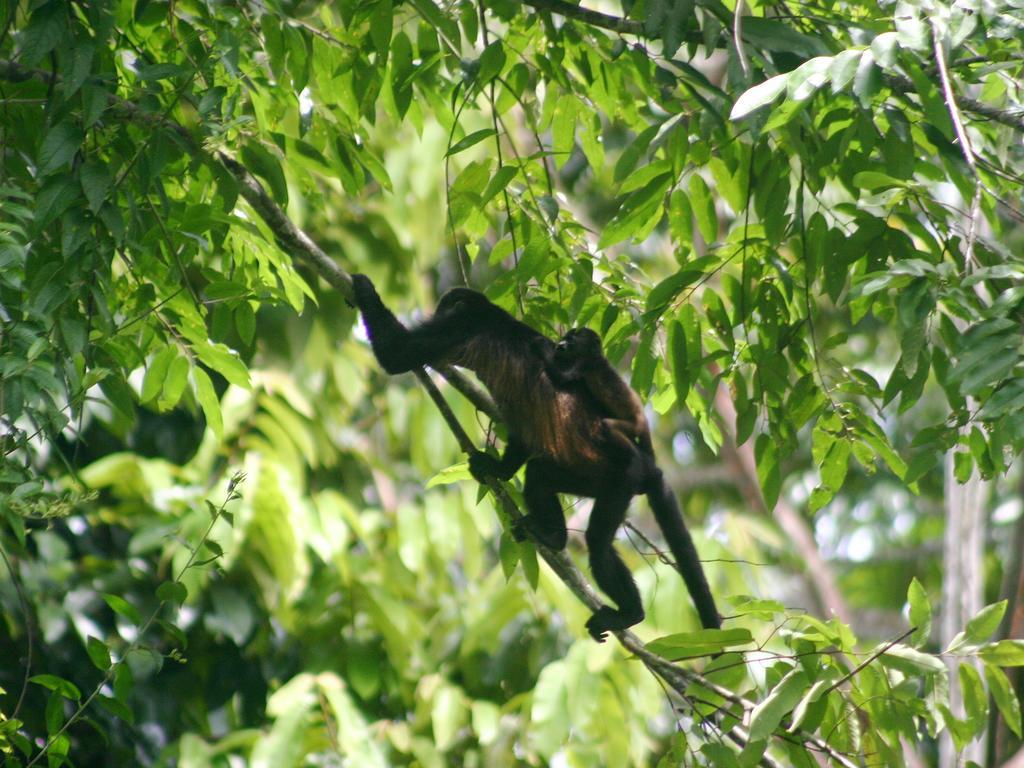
670,520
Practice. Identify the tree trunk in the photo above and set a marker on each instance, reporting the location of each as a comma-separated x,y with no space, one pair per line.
962,590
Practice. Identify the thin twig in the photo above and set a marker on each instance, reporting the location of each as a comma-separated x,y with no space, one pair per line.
961,132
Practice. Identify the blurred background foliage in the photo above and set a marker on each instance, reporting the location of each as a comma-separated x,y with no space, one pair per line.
228,538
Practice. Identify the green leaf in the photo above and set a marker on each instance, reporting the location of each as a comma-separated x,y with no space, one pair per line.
759,96
1005,653
498,182
122,607
805,80
46,29
768,472
162,71
680,217
985,623
115,707
58,685
703,208
767,715
777,35
508,554
633,219
208,401
679,17
172,592
1005,697
245,322
59,147
563,126
876,180
867,81
666,291
680,363
54,715
174,385
454,474
381,25
492,60
835,464
467,142
57,195
96,182
975,700
702,642
920,612
531,568
224,361
98,652
911,661
156,373
261,162
885,48
813,694
843,69
765,610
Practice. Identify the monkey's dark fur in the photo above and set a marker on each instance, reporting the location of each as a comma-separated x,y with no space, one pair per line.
578,358
558,429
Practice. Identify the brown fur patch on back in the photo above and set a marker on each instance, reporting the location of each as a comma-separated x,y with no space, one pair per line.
562,425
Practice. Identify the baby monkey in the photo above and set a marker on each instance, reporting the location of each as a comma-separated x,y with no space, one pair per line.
577,359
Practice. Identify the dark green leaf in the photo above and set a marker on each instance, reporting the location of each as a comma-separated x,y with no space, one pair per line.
57,195
768,469
96,181
491,62
59,147
381,23
122,607
261,162
98,652
680,362
172,592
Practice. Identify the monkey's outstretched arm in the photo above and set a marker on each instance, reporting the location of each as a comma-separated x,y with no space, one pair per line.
397,348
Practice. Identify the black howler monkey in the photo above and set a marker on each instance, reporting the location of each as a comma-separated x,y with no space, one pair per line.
558,430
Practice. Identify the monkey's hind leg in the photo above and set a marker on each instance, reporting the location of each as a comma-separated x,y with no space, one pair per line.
610,572
544,518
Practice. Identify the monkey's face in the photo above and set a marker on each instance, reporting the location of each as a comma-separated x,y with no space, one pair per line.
578,344
464,303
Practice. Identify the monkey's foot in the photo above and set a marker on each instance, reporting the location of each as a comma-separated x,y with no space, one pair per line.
526,528
607,619
519,531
